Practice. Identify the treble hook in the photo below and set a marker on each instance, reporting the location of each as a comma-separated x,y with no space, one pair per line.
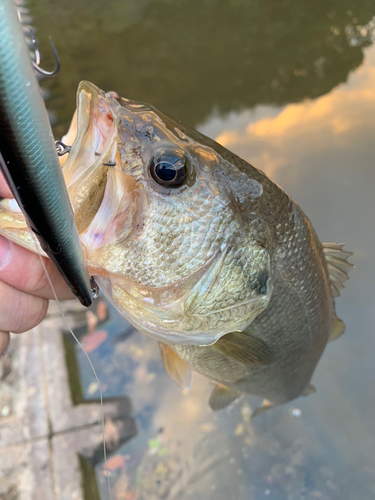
35,46
36,63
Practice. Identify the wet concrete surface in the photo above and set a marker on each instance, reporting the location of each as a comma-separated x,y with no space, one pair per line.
44,436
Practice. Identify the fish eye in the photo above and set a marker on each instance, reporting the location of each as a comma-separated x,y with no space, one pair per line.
169,169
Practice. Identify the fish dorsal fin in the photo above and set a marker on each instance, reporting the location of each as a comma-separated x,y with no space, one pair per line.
266,405
244,348
337,329
338,265
222,396
178,369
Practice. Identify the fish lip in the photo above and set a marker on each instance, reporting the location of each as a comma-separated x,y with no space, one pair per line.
87,104
86,94
87,129
94,151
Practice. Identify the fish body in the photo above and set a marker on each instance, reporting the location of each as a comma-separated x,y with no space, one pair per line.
199,250
297,323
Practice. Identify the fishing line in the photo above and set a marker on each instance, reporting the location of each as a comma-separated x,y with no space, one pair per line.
87,357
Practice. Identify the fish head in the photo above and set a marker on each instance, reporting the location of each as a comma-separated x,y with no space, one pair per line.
171,230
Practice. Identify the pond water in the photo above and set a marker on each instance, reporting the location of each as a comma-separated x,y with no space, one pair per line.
289,87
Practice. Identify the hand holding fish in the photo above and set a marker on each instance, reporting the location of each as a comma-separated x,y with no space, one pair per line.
24,289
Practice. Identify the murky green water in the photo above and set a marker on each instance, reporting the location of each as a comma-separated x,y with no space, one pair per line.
290,87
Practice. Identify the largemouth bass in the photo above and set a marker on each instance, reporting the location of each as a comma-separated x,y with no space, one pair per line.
197,249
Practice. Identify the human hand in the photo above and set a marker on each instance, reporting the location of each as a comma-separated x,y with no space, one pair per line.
24,288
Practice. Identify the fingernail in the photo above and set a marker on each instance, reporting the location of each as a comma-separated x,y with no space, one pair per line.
6,249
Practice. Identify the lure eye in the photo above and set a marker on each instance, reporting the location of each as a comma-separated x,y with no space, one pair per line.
169,170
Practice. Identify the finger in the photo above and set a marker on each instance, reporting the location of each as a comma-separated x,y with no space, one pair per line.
23,270
20,311
4,342
5,192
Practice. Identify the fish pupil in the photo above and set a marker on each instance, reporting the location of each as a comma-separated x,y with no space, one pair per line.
169,169
165,171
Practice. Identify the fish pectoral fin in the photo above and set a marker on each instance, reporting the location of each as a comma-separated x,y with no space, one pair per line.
266,405
338,265
244,348
178,369
338,328
309,389
222,396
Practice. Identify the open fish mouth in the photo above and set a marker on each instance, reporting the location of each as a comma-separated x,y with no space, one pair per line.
99,189
93,135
